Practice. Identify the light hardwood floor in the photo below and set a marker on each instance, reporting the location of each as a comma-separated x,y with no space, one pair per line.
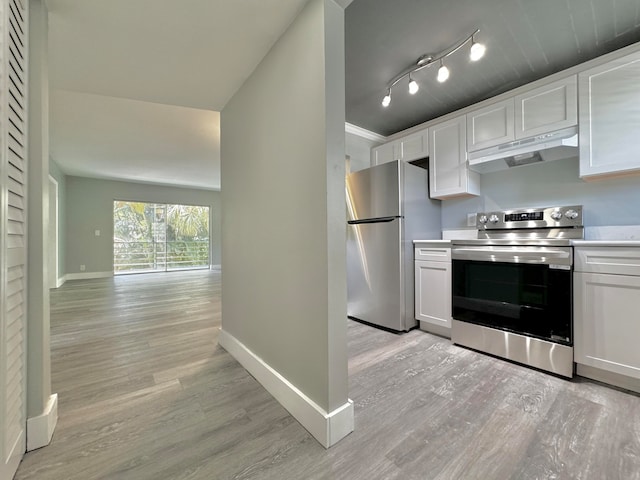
145,392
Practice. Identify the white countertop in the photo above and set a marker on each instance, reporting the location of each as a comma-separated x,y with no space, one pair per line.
441,243
575,243
606,243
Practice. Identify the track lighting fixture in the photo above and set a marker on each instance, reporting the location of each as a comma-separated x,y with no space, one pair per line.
476,52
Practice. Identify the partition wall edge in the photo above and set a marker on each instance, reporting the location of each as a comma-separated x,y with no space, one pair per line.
41,403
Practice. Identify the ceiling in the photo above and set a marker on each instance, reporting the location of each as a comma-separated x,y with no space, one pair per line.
525,39
136,86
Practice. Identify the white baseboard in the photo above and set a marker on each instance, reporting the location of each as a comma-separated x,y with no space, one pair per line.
611,378
215,267
61,281
437,329
326,427
87,275
40,429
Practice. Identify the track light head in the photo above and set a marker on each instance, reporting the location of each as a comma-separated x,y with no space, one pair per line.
413,86
443,73
386,101
477,51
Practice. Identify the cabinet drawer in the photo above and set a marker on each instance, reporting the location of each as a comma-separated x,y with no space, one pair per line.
433,253
613,260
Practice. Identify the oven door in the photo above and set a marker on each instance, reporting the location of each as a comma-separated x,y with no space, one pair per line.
524,290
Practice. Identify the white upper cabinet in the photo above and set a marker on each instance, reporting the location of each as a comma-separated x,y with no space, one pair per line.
387,152
490,126
411,147
609,98
449,175
414,146
538,111
547,108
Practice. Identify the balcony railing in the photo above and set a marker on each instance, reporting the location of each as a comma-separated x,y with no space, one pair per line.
129,257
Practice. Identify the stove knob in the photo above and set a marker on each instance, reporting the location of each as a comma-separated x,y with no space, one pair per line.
571,214
494,219
556,214
483,219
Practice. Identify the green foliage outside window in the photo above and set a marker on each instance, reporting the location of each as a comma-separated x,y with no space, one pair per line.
158,237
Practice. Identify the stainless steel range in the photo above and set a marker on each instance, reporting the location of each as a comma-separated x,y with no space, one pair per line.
512,287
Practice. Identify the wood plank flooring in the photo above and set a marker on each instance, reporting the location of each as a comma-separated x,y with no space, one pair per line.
145,392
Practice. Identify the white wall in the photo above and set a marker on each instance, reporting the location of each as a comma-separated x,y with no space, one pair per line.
89,207
359,150
56,173
613,201
283,212
38,349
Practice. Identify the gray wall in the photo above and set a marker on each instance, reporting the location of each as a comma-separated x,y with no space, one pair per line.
359,150
283,221
60,177
89,207
38,350
613,201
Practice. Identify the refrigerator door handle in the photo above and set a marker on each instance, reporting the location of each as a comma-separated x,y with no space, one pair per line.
373,220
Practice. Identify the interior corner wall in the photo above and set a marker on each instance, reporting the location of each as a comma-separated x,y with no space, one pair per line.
359,150
59,176
89,207
283,204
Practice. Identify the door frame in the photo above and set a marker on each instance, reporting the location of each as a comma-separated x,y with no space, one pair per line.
54,234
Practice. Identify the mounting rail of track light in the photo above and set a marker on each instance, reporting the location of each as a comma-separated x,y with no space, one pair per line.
476,52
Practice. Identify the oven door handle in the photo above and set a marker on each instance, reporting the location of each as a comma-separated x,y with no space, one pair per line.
536,255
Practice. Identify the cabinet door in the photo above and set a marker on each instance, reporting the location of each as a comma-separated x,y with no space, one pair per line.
609,98
387,152
547,108
449,175
414,146
606,322
14,161
490,126
433,292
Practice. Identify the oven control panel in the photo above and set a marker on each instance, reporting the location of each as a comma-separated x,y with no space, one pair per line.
549,217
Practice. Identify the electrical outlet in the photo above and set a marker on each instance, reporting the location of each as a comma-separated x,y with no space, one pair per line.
471,219
82,268
97,232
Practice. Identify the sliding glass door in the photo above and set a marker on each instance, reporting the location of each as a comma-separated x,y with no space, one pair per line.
153,237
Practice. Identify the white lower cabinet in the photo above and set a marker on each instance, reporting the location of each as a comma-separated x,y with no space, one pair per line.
433,288
606,318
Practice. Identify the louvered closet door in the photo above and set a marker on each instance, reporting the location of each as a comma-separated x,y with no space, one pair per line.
13,140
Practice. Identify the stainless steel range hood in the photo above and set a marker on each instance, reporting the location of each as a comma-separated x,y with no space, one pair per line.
542,148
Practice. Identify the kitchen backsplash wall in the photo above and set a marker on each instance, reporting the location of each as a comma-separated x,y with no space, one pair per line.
614,201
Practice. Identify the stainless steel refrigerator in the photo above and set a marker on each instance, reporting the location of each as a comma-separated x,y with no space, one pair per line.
388,206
